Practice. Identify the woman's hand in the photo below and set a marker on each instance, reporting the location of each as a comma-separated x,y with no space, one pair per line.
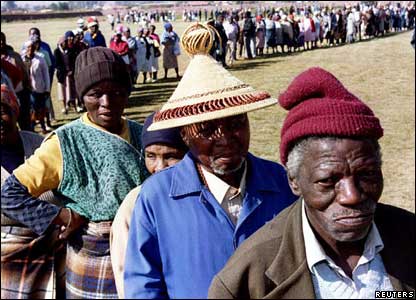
69,221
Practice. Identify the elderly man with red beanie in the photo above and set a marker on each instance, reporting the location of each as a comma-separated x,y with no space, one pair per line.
336,241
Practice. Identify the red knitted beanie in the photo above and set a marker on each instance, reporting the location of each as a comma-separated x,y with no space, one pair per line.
319,105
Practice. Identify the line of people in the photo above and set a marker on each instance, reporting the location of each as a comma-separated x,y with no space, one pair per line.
158,211
291,29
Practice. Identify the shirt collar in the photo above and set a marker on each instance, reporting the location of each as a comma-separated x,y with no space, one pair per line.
219,188
257,169
315,253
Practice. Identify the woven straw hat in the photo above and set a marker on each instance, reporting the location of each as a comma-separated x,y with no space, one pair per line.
206,91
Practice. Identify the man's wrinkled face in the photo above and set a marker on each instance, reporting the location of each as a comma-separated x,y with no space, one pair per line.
221,145
341,182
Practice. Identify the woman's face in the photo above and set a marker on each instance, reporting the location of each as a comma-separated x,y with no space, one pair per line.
105,103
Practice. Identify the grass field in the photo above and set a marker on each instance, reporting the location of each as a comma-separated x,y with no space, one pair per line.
381,72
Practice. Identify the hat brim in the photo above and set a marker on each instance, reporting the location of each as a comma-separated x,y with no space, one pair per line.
226,112
92,24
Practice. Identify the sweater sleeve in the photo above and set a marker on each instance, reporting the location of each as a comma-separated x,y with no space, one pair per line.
18,204
43,171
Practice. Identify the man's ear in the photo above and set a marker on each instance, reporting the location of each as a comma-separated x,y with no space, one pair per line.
294,185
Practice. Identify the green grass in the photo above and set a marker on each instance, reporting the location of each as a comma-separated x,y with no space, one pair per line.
381,72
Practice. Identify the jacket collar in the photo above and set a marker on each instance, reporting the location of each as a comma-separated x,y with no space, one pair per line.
185,171
289,270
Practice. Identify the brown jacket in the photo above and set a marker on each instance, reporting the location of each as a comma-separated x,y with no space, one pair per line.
272,263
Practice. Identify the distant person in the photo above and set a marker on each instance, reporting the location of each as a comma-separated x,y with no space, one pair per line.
218,51
171,50
120,46
93,37
412,41
39,80
260,35
66,55
44,48
132,45
111,21
47,49
143,55
157,50
79,44
162,149
249,31
23,89
231,29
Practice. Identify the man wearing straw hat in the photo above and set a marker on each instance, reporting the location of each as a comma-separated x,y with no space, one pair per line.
190,218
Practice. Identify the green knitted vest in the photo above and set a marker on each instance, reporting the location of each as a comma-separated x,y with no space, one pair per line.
99,168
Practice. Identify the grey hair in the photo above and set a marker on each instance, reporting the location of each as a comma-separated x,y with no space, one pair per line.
297,153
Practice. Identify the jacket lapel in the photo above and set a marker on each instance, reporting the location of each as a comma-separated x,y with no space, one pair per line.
289,270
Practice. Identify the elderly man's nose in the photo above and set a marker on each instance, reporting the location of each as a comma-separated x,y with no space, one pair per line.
348,192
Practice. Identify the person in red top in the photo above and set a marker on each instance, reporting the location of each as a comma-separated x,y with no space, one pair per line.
119,46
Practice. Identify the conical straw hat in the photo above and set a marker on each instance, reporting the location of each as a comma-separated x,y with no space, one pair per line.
206,91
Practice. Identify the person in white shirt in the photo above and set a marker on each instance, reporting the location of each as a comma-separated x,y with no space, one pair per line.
39,79
232,31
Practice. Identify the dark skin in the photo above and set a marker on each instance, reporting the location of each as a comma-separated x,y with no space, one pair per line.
93,29
2,43
341,182
33,31
105,103
159,156
220,146
9,130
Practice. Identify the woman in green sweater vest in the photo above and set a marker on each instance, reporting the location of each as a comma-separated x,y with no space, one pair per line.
94,162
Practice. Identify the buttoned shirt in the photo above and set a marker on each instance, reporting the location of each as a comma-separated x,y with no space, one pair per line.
229,197
180,236
330,281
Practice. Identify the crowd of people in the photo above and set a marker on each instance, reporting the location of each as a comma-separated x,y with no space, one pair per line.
246,34
33,67
105,207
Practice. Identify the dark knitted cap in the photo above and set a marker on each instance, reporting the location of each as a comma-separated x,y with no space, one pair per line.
97,64
319,104
171,136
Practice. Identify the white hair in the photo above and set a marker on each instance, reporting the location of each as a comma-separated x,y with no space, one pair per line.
297,153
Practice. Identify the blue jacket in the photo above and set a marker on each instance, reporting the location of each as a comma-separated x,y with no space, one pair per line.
99,40
180,236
